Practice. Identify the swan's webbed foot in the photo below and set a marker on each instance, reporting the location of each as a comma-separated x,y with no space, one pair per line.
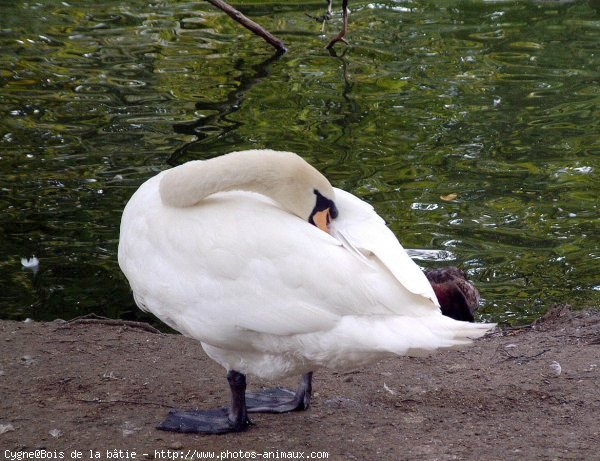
214,421
280,400
235,418
217,421
276,400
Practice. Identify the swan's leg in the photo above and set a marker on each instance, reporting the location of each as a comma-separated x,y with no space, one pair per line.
280,400
341,37
216,421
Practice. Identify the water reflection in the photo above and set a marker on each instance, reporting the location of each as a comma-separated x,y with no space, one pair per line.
214,116
494,104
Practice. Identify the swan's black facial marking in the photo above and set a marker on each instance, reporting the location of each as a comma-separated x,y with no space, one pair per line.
323,203
324,209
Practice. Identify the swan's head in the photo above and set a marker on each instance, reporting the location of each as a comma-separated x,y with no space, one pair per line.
299,187
283,176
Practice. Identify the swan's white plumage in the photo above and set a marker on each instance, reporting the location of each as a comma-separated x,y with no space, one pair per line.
365,231
269,294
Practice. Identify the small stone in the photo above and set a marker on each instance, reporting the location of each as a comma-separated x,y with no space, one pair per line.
27,360
555,369
128,428
6,428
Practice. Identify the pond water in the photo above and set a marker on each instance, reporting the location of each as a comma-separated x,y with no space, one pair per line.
473,127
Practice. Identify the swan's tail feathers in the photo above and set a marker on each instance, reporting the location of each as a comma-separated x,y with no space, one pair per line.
358,339
423,335
450,335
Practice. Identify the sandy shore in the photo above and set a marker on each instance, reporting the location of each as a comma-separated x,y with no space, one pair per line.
96,391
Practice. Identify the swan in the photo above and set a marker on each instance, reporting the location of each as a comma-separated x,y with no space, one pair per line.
276,273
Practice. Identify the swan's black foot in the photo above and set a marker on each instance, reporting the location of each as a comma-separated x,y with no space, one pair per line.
235,418
203,421
276,400
280,400
218,421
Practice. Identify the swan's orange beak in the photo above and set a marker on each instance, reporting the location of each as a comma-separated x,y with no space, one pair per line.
322,219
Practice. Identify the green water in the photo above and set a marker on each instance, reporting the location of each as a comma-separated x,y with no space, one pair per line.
496,102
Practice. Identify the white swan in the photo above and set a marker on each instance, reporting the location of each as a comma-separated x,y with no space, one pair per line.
276,272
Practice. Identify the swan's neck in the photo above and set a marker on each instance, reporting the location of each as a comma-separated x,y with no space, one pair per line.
283,176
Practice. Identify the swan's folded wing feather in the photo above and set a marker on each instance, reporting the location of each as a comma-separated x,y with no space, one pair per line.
366,234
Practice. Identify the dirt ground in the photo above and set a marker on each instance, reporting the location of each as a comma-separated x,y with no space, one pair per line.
96,391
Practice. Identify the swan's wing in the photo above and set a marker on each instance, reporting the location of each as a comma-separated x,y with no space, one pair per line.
364,233
219,266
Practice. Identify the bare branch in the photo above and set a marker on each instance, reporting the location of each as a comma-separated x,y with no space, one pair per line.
250,25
